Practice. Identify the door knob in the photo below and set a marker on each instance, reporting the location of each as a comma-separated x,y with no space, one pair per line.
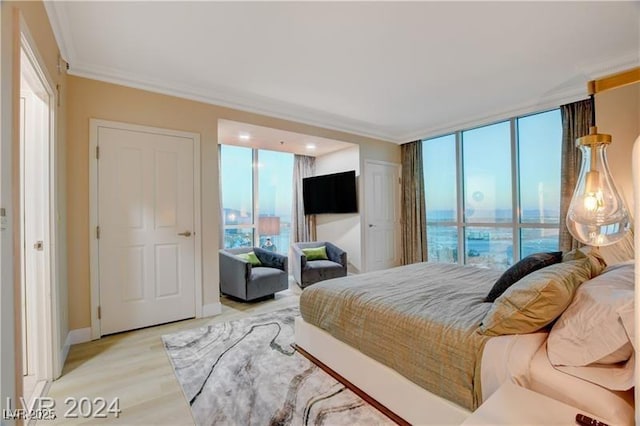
371,225
185,234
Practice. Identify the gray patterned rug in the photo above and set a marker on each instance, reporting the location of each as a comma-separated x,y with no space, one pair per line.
247,372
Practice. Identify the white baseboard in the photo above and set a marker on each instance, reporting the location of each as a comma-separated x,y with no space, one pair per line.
211,309
63,356
79,335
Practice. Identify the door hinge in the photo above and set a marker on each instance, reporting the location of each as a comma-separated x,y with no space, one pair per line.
97,152
400,180
98,232
99,312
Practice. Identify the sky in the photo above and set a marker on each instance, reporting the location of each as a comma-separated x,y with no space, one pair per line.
275,172
486,155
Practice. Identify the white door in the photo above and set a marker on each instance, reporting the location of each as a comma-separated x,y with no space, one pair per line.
382,215
32,182
146,231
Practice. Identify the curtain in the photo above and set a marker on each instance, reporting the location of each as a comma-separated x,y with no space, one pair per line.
414,227
576,120
303,228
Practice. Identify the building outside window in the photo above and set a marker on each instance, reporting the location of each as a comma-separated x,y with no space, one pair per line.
256,197
493,193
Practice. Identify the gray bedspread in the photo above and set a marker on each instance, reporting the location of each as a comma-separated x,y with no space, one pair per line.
420,320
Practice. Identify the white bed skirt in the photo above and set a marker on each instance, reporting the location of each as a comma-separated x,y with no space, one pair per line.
400,395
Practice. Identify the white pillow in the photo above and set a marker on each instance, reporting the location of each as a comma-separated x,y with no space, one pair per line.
590,330
627,317
616,377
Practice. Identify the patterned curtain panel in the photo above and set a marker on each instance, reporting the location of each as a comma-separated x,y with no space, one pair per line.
414,218
303,228
576,120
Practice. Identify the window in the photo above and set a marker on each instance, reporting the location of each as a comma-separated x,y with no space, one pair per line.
493,192
256,197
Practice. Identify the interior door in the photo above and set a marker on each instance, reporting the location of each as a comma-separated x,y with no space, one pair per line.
382,215
32,182
146,228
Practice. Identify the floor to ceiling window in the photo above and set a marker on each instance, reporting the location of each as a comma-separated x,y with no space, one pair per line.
493,192
256,197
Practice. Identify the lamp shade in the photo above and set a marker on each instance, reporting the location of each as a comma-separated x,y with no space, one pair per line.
269,225
597,215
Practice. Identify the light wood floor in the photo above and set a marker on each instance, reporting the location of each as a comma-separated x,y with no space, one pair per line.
134,367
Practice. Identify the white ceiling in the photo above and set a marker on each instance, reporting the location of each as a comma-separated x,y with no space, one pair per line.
396,71
244,134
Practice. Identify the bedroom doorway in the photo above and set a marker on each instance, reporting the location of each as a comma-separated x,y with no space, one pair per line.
37,290
382,214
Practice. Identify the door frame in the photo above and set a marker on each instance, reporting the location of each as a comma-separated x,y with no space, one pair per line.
49,361
94,277
365,220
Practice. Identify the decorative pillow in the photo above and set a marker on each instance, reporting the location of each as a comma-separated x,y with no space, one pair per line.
316,253
536,300
251,258
529,264
591,331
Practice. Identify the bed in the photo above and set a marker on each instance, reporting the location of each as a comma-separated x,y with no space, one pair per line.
410,338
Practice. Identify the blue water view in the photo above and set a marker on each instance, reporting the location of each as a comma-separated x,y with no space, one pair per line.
491,246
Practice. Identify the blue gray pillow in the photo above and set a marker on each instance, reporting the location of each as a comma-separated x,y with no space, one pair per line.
529,264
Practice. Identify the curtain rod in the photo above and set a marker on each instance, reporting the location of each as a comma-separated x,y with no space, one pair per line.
612,81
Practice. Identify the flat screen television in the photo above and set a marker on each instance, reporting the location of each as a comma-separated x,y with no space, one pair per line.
334,193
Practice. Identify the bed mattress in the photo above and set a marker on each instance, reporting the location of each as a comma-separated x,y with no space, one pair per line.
420,320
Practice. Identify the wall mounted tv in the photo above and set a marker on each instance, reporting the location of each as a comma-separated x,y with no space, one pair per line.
334,193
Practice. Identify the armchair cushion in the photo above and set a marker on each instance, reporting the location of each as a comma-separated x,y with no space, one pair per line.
251,258
316,253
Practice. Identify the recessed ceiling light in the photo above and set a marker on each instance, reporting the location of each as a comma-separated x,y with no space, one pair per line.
311,146
244,137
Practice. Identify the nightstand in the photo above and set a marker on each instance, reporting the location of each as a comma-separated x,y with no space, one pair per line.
515,405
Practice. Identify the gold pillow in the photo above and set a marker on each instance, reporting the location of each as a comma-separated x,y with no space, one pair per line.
537,299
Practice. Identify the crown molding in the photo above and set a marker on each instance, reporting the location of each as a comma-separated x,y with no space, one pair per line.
572,92
569,92
498,115
57,13
235,100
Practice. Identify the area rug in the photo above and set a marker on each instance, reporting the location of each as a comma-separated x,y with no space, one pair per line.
248,372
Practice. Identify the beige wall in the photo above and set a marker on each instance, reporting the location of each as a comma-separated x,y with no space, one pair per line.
93,99
33,16
618,113
344,230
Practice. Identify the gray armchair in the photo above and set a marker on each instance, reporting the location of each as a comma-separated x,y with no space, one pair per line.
238,278
307,272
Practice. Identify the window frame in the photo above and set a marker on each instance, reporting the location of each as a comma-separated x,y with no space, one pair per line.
516,224
255,196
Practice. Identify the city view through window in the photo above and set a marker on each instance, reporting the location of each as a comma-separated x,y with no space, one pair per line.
498,198
492,193
256,201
